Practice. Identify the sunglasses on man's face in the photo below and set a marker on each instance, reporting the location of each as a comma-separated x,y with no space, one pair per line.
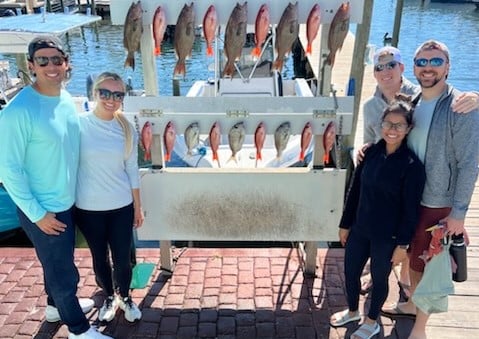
434,62
381,67
106,94
42,61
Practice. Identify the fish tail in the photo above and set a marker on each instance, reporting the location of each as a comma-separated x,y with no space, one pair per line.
130,61
148,155
209,50
157,50
258,155
229,70
326,158
278,64
309,49
180,68
256,52
330,59
301,155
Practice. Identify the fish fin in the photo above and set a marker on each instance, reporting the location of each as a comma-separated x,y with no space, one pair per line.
167,157
215,156
130,61
157,50
309,49
209,51
278,64
256,52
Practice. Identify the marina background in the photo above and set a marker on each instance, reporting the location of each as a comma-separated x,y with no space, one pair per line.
99,47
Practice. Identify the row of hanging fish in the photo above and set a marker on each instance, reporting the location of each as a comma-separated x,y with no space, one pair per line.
236,137
235,34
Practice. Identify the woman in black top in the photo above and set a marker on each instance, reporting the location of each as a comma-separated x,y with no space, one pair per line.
380,215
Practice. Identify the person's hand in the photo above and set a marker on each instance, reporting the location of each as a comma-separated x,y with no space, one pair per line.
343,235
466,102
361,152
454,226
138,218
50,225
399,255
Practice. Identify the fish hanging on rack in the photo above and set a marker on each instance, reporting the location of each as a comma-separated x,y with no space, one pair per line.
306,137
192,137
281,138
329,139
286,34
132,32
259,136
169,138
236,139
235,37
159,28
338,31
210,26
312,27
215,139
147,140
261,29
184,38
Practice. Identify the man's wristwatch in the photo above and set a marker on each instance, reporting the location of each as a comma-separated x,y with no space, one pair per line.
403,247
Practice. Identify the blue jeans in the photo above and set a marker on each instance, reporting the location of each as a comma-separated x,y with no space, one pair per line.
109,230
358,249
56,254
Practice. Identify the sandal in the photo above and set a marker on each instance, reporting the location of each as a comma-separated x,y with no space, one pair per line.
366,287
404,290
342,318
366,331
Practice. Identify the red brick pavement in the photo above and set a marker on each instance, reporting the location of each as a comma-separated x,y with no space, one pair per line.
213,293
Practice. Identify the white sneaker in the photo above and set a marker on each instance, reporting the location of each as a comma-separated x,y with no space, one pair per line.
132,312
52,315
92,333
108,310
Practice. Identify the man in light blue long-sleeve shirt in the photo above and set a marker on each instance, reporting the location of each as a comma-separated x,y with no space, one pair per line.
39,134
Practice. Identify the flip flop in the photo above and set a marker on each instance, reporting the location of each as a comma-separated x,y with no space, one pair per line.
342,318
366,331
396,312
404,290
366,287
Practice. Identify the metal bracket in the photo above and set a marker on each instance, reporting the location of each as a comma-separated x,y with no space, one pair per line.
324,113
147,112
238,113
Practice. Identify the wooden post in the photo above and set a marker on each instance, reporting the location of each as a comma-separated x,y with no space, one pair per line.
357,67
149,61
397,22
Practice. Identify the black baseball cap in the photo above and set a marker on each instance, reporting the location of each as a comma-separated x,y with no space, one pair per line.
45,41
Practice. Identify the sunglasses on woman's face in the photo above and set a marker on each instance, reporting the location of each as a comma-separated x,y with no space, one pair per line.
106,94
42,61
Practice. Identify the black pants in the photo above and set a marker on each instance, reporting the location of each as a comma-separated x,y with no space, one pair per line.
109,230
358,250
